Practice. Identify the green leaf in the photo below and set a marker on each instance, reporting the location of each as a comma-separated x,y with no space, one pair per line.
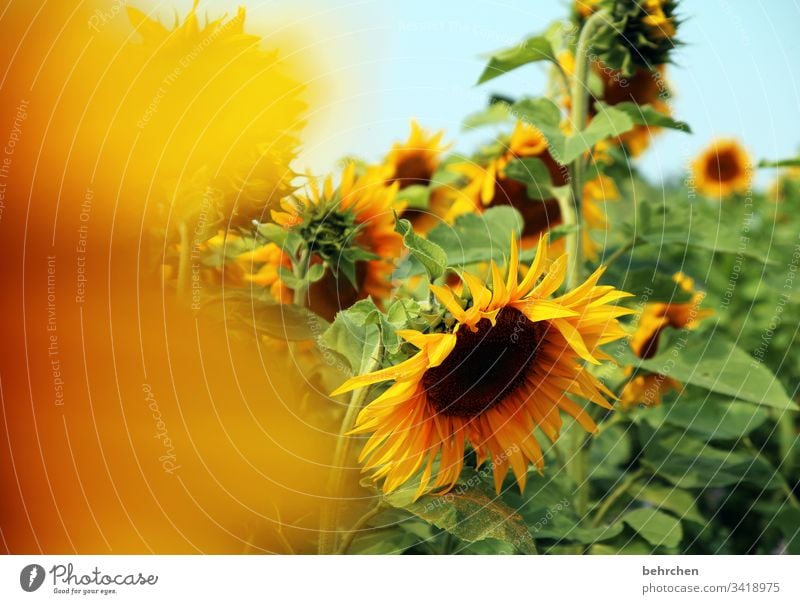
787,521
536,48
533,172
646,115
672,499
708,360
546,116
273,233
707,415
656,527
355,333
315,272
691,464
430,255
471,511
496,113
681,223
477,238
608,123
546,506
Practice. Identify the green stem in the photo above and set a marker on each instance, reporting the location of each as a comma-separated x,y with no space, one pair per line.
615,418
571,216
350,535
299,271
579,97
578,470
620,252
184,261
614,496
569,208
329,519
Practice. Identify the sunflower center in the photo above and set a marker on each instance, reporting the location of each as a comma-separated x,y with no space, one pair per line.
485,366
724,166
538,216
414,169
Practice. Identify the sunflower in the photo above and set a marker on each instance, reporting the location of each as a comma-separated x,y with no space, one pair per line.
722,168
489,186
648,389
508,365
355,220
643,33
203,93
414,161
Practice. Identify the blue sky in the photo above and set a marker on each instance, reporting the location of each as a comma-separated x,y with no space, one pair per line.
386,62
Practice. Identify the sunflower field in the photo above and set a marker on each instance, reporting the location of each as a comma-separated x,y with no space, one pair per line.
543,351
530,348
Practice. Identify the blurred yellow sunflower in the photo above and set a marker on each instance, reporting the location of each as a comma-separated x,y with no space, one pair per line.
207,100
415,161
510,364
649,389
361,205
262,266
722,168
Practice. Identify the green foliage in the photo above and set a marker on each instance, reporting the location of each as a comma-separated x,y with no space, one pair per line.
475,238
708,360
658,528
645,115
471,512
713,469
430,255
608,123
534,49
628,42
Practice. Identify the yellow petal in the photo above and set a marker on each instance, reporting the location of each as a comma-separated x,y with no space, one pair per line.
445,296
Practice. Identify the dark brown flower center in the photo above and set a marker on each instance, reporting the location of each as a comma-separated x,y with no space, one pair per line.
724,166
485,366
538,216
333,293
413,170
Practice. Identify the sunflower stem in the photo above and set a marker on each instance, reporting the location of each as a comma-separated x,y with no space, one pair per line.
614,496
571,208
578,469
620,252
350,535
299,271
329,519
